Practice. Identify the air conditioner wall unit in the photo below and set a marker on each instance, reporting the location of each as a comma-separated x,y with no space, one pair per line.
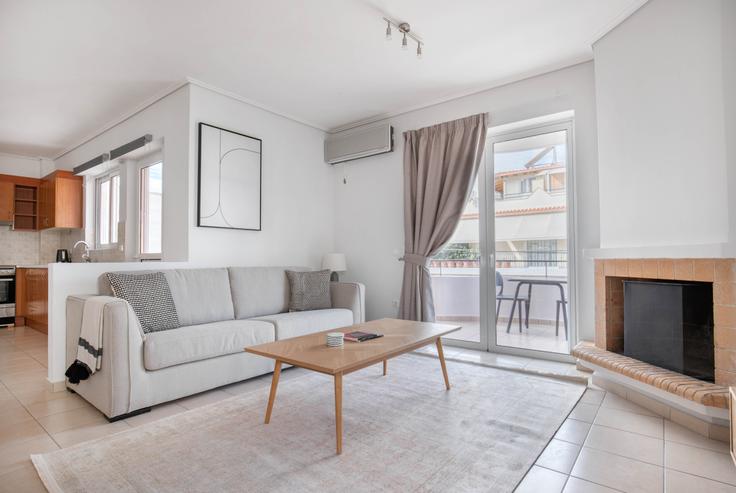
358,143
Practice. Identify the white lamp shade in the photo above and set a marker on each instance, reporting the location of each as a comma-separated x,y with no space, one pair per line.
335,262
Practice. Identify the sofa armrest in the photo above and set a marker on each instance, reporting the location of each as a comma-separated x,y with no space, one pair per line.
110,388
350,295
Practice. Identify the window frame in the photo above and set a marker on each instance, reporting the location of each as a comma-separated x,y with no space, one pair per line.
142,198
108,176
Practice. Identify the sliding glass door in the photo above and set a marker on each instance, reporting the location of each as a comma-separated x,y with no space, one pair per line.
505,274
529,239
457,277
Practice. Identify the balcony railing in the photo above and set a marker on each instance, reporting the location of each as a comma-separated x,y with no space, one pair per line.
522,195
542,262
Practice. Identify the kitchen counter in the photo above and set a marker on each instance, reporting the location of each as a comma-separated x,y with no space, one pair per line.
39,266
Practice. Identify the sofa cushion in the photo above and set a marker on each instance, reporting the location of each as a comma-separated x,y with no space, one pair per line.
260,291
309,290
201,295
198,342
294,324
149,296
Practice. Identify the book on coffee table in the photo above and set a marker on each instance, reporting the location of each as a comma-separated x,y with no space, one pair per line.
359,336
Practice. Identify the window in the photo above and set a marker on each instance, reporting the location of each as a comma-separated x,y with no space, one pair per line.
557,182
107,209
512,187
532,184
542,253
151,188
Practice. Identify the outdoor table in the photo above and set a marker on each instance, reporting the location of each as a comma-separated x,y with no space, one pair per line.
540,281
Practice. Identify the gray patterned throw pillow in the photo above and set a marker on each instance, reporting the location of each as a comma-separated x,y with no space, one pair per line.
309,290
150,297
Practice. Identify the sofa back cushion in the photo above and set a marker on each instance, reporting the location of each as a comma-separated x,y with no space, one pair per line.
201,295
150,297
260,291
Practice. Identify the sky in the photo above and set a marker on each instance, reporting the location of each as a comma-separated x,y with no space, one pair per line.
507,161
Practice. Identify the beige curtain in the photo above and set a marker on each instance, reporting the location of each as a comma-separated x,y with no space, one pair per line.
440,166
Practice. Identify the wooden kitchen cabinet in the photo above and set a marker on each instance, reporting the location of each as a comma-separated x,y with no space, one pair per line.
20,296
25,207
7,197
60,201
35,298
19,201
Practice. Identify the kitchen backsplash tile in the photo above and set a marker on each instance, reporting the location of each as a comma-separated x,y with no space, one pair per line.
49,242
28,247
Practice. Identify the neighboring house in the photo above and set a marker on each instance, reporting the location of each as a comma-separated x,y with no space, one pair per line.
531,219
530,226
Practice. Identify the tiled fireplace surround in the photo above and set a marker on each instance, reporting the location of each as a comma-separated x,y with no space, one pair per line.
609,329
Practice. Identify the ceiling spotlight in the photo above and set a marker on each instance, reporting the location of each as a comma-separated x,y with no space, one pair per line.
405,29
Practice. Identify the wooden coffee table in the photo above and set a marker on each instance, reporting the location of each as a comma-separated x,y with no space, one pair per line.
311,352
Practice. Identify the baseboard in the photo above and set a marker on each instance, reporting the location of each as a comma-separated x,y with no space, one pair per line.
35,325
59,386
129,415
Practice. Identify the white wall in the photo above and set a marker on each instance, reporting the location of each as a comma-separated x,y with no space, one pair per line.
167,119
661,135
728,31
297,190
369,207
11,164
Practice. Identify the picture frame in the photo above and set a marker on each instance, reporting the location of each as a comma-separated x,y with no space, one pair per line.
229,179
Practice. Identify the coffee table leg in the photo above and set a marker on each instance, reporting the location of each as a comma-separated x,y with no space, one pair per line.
338,412
385,367
274,384
442,362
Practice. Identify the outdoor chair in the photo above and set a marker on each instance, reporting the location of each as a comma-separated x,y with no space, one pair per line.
509,297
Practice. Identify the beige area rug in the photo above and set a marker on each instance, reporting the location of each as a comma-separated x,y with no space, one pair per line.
402,432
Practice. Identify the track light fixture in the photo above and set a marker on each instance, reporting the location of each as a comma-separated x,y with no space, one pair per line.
405,29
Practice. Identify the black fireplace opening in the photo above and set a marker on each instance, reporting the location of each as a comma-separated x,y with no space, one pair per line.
670,324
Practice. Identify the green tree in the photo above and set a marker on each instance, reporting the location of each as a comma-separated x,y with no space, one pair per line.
459,251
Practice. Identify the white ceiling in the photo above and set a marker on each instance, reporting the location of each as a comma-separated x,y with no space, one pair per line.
68,68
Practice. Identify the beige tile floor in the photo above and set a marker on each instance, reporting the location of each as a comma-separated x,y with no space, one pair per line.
609,444
540,337
34,420
606,444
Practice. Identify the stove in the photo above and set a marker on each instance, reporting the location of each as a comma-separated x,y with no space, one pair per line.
7,295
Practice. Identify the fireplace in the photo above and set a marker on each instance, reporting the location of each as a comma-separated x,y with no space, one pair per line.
720,274
670,325
665,337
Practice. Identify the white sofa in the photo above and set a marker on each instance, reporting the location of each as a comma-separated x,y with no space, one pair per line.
221,311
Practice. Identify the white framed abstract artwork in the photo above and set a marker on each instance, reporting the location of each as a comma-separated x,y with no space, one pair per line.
229,179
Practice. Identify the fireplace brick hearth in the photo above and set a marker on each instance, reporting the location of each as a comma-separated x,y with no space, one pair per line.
694,390
609,327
